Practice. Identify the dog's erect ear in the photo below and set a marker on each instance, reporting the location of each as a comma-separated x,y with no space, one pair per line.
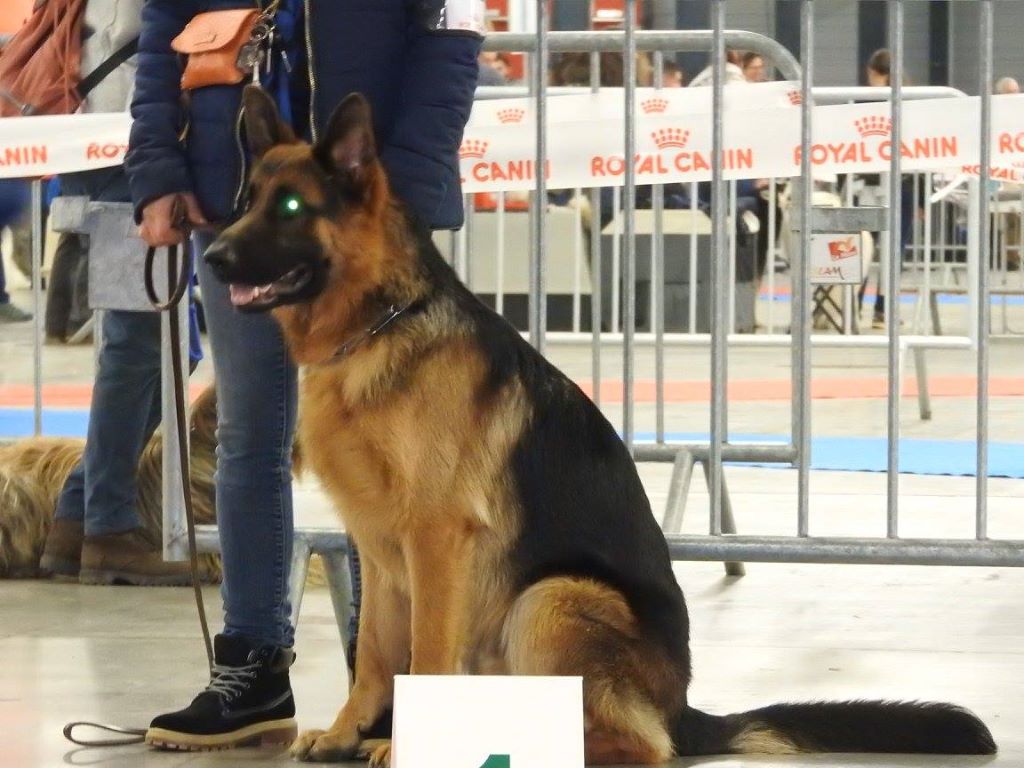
264,127
347,149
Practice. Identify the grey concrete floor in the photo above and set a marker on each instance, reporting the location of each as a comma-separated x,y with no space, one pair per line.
782,632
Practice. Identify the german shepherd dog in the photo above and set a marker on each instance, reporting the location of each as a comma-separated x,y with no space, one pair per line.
502,525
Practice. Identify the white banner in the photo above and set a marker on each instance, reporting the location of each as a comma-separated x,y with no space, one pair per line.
761,134
673,144
43,146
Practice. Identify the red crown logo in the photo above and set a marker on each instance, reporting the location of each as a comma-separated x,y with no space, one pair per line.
875,125
650,106
512,115
842,249
473,148
794,97
670,137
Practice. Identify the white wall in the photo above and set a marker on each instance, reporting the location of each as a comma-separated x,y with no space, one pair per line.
1007,43
752,15
835,33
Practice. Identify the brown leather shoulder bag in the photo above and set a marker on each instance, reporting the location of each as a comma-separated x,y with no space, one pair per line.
223,47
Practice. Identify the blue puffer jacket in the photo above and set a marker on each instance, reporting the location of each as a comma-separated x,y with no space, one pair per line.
420,83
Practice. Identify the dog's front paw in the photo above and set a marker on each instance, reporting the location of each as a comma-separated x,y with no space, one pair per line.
380,754
323,747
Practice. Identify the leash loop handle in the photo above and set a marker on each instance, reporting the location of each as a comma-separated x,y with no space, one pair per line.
178,279
129,735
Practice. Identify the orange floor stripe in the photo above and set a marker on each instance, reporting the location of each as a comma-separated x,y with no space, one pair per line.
749,390
60,395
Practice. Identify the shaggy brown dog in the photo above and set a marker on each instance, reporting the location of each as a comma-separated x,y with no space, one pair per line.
33,472
502,524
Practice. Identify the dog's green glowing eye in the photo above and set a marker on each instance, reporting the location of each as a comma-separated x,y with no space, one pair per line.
291,206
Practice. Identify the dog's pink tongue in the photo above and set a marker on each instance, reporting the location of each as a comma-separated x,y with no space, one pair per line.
243,294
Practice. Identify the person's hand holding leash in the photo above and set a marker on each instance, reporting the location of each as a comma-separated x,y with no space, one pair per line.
168,219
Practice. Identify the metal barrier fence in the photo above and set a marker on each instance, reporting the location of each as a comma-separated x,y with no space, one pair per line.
722,543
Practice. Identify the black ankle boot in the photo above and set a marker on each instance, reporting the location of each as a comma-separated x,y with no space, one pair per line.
248,702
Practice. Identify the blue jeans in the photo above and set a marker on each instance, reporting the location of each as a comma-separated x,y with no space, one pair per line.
125,410
4,296
256,408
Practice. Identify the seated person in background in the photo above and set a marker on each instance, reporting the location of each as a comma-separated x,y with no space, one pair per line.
1006,85
493,69
753,68
672,75
733,72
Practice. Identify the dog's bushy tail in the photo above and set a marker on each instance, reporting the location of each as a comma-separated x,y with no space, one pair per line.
850,726
32,473
25,512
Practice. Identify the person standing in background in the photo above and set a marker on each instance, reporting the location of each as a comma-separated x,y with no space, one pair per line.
416,63
878,76
13,194
97,535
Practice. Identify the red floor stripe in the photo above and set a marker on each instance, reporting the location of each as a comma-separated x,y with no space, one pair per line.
821,389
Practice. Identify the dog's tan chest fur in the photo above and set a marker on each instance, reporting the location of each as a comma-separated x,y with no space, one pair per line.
425,457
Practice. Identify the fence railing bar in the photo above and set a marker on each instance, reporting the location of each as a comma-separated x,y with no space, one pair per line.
692,306
719,268
462,243
629,223
767,549
731,233
770,263
649,40
538,296
892,296
616,264
848,290
596,277
577,261
37,306
657,308
499,257
985,46
926,281
762,453
800,309
822,95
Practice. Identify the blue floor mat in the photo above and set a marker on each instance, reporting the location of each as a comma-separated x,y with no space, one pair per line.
868,454
849,454
57,422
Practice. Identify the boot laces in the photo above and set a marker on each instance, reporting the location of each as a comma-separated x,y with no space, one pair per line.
231,682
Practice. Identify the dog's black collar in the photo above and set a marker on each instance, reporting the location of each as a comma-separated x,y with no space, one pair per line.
387,318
